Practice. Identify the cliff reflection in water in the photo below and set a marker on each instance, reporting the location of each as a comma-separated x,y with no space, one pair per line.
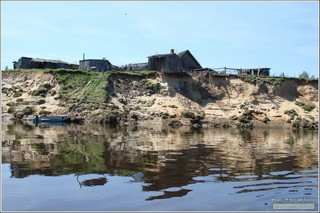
160,157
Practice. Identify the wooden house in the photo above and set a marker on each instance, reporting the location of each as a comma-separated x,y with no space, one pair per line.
99,65
40,63
173,63
188,61
166,63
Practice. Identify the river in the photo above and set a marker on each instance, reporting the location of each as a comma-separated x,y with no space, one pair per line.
97,168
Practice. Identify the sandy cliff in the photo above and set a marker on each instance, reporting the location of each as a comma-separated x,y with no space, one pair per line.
200,99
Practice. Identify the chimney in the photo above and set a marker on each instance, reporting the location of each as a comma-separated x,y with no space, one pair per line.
172,51
83,56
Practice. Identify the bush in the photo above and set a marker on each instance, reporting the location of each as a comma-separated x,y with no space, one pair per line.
10,104
304,74
153,86
28,111
291,112
41,101
188,114
4,90
202,115
307,107
274,80
46,85
11,110
40,91
44,112
17,94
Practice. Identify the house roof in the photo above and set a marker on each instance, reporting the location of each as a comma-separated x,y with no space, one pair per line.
50,61
42,60
106,60
181,54
160,55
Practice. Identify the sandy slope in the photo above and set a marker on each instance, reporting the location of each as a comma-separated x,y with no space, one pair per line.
219,97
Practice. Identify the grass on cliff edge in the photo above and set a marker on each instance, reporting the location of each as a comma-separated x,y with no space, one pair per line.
76,84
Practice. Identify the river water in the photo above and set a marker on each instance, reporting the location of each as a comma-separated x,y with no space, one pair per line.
96,168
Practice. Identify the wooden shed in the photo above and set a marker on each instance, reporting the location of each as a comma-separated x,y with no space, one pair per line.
40,63
166,63
99,65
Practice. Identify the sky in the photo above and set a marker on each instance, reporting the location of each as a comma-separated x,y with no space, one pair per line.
281,35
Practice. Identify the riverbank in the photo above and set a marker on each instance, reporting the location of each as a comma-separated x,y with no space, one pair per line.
137,98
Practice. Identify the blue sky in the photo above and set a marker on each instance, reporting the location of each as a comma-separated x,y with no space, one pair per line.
280,35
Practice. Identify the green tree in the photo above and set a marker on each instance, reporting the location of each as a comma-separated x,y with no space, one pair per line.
304,74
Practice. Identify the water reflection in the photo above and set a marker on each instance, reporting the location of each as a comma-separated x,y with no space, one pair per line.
100,181
165,159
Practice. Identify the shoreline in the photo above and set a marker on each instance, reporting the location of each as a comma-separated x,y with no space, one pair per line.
149,123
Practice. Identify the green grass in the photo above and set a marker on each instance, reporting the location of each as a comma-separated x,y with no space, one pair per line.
98,90
143,73
73,83
273,80
154,87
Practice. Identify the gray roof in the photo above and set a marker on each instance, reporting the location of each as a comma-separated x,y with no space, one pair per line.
179,54
49,61
160,55
106,60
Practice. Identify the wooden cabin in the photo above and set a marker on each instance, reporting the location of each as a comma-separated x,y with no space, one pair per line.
40,63
166,63
188,61
173,63
99,65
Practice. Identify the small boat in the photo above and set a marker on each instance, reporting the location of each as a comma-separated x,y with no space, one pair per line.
38,119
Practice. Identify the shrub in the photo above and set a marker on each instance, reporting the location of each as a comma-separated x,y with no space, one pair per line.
307,107
28,111
17,94
41,101
188,114
4,90
10,104
40,91
46,85
44,112
274,80
202,115
153,86
304,74
11,110
291,112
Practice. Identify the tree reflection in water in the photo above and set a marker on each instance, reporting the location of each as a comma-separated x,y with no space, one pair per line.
161,158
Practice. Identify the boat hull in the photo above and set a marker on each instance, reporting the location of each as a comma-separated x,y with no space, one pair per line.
51,119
